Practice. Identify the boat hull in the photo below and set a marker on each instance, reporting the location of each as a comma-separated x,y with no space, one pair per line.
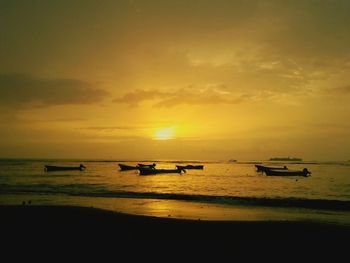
286,173
149,171
261,168
49,168
125,167
199,167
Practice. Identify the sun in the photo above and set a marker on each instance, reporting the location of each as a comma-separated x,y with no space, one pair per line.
164,133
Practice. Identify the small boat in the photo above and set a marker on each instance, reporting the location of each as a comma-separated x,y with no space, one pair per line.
261,168
125,167
148,171
189,166
305,172
51,168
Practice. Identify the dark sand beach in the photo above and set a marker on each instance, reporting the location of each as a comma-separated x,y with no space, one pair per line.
80,226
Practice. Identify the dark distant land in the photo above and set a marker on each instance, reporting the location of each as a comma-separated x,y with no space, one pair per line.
286,159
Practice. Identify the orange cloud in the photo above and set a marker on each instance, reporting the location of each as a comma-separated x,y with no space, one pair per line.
25,91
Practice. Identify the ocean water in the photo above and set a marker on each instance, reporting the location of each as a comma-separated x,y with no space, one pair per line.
216,192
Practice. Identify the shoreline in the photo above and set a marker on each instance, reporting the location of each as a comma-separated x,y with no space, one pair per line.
181,209
38,218
82,231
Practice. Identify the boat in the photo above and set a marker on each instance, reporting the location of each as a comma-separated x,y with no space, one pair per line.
149,171
261,168
189,166
305,172
288,159
232,161
125,167
51,168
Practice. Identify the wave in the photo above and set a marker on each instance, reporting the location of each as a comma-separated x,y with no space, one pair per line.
88,190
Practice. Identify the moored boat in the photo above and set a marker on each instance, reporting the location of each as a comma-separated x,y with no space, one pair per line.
124,167
189,166
149,171
305,172
52,168
262,168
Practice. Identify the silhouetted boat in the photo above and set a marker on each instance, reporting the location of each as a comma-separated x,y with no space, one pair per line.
261,168
148,171
51,168
272,172
189,166
125,167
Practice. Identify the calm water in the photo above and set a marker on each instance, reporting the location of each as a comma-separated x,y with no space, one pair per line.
221,183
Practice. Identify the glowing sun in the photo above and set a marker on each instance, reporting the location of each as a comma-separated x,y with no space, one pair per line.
164,134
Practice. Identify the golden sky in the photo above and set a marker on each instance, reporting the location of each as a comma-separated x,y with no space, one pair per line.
205,79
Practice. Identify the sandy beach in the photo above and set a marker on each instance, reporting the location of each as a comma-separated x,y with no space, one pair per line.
83,225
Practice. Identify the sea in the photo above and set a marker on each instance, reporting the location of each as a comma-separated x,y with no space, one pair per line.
221,191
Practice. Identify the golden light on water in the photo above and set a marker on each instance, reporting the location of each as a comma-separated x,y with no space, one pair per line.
164,133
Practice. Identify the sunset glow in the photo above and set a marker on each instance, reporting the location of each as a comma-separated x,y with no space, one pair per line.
257,78
164,134
229,111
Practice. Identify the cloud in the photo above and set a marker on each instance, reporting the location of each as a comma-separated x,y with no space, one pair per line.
337,93
135,97
25,91
116,128
345,90
23,120
191,95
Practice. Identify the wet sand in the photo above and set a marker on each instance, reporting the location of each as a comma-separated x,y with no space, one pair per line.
37,225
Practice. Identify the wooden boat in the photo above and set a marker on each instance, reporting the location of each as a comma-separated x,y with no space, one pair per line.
189,166
148,171
51,168
303,172
261,168
125,167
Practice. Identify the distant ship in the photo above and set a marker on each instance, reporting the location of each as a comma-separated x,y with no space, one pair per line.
293,159
232,160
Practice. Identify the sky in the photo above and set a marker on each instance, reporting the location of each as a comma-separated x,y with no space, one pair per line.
162,79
